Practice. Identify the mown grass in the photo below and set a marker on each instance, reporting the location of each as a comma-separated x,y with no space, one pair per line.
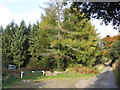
64,76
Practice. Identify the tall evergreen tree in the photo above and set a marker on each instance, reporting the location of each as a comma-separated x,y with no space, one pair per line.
7,36
73,37
19,44
80,38
38,44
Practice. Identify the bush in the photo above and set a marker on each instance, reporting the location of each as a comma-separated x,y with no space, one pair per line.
104,59
84,70
114,52
5,71
100,67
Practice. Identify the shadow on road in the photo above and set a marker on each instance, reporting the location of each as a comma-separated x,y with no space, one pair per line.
104,80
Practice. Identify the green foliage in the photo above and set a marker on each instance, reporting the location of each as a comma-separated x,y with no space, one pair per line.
79,38
38,46
74,37
7,36
10,81
15,44
64,36
114,52
107,11
19,44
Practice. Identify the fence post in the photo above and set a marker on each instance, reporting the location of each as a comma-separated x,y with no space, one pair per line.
43,73
21,75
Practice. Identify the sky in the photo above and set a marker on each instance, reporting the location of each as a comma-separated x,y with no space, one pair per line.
30,12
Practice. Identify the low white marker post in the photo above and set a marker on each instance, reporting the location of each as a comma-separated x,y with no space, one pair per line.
21,74
43,73
33,71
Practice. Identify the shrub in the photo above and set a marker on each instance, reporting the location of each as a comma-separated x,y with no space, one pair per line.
5,71
84,70
114,52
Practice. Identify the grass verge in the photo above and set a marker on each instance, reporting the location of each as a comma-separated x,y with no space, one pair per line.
117,77
11,81
65,76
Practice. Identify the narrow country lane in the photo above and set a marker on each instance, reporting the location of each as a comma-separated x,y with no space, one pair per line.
105,80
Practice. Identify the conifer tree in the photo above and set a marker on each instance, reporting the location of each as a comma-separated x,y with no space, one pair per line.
19,44
7,36
72,37
38,44
80,38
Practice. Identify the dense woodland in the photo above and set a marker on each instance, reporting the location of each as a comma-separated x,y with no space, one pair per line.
64,37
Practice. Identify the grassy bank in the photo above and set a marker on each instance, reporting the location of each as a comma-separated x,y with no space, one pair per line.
12,80
116,70
117,76
65,76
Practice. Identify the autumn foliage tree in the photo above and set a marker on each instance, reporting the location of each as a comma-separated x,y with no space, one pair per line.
108,42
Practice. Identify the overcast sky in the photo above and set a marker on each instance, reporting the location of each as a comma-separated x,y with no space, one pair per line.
30,12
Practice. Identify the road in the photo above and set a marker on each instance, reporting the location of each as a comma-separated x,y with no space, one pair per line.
105,80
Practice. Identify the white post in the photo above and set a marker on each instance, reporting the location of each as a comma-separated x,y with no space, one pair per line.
21,74
43,73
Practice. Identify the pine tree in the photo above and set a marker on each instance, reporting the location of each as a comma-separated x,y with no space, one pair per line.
52,25
19,44
80,38
38,44
73,37
7,36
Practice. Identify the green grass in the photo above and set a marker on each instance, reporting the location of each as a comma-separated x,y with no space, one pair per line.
13,80
64,76
10,82
117,77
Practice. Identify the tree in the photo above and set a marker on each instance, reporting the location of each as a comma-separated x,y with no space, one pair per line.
7,36
19,44
38,44
108,42
51,23
107,11
71,36
80,38
114,52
